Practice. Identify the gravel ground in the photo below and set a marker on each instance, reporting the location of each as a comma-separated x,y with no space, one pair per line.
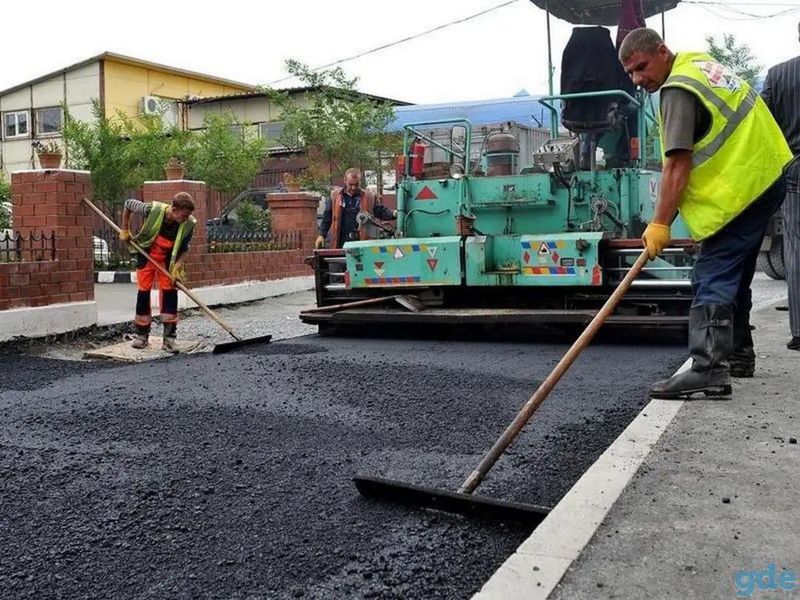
233,480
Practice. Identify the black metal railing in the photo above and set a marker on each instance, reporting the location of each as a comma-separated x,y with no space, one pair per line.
110,253
224,240
31,247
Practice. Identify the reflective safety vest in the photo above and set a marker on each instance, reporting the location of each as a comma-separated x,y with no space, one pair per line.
366,202
743,153
152,225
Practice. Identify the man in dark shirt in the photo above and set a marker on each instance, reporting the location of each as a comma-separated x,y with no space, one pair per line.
781,93
340,218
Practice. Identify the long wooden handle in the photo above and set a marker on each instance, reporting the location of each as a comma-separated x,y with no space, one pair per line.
511,432
177,284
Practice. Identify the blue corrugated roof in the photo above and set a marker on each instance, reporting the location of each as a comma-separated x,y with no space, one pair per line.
524,110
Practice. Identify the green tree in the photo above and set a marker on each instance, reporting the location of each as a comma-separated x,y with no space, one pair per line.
99,147
227,155
337,126
737,57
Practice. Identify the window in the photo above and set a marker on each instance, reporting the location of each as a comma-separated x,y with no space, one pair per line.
48,121
15,124
237,130
271,131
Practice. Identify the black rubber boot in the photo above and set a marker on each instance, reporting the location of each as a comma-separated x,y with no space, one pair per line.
743,357
710,343
168,340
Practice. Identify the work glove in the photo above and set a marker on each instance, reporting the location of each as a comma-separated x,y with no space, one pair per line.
125,235
319,243
655,238
178,273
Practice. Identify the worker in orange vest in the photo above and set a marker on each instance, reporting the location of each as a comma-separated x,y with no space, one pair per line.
340,218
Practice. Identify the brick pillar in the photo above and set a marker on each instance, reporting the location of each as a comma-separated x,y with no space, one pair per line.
295,211
164,191
52,201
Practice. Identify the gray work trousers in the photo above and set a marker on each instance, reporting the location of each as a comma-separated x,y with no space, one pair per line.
791,244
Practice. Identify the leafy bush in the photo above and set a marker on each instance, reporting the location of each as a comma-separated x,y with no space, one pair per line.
5,202
251,217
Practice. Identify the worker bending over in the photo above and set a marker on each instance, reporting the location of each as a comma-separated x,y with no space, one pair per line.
165,235
724,157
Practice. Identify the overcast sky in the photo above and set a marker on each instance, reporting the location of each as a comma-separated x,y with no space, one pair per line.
492,56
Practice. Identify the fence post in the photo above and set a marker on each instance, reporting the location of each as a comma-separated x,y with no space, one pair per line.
52,200
295,211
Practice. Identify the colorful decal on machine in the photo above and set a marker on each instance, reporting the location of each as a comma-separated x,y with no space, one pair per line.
398,254
545,251
426,193
405,249
432,262
392,280
379,268
563,271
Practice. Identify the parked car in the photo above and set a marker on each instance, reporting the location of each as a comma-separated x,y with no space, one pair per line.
228,219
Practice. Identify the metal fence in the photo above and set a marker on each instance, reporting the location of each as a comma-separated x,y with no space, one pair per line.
32,247
110,252
224,240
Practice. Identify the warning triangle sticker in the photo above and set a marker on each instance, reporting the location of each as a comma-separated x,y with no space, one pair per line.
432,251
543,249
432,262
378,265
426,193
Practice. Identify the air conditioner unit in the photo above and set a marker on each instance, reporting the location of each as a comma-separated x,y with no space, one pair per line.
151,105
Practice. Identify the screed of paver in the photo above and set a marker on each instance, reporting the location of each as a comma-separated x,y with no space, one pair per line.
230,476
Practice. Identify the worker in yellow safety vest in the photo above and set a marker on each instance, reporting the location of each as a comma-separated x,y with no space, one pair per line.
724,158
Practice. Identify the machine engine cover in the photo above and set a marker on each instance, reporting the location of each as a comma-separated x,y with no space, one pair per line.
416,262
543,259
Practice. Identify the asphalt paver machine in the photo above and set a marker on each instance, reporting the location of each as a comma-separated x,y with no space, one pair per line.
492,236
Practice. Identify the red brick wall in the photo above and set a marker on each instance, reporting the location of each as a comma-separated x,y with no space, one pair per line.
51,201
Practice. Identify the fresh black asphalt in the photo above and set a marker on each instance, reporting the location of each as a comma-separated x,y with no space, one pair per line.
230,476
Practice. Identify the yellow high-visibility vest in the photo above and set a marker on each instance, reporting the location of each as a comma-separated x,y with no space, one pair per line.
741,156
152,225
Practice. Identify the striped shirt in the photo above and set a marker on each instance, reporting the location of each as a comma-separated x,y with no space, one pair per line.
169,229
782,95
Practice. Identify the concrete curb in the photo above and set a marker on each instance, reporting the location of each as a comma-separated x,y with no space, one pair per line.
41,321
540,562
115,276
535,569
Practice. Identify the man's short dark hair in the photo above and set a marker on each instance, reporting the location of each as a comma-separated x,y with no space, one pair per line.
642,40
183,200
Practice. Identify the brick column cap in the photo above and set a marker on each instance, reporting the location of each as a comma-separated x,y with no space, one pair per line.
292,200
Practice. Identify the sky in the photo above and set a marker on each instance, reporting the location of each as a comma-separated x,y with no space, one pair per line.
491,56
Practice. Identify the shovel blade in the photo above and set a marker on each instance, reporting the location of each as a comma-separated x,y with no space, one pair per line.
230,346
451,502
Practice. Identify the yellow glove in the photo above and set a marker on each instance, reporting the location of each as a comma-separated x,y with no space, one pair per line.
319,243
177,272
655,238
125,235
